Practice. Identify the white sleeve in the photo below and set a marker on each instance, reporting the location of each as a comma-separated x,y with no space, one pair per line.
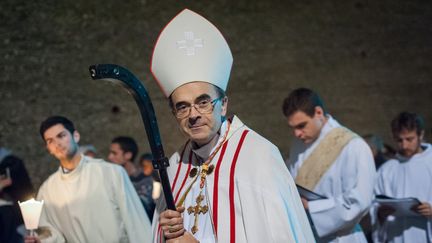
357,180
160,202
271,208
50,233
378,230
156,230
136,221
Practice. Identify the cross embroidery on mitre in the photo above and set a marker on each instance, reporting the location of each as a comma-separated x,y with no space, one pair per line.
190,43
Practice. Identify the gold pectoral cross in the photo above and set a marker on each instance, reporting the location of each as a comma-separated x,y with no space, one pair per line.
196,210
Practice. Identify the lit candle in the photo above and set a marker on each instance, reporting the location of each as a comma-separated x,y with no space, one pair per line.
31,210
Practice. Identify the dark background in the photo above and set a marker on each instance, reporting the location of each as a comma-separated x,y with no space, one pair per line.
369,60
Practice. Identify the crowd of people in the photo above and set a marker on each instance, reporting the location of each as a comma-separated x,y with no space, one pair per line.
229,183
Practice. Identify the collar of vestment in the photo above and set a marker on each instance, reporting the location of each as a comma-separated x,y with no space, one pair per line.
425,154
203,152
235,126
324,154
75,172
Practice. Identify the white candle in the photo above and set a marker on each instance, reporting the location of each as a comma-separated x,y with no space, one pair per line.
156,190
31,210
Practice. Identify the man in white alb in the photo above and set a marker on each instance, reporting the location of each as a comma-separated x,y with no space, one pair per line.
408,175
230,184
332,161
86,199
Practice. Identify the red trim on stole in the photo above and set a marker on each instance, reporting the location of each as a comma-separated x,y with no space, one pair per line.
231,187
159,232
185,177
215,187
179,167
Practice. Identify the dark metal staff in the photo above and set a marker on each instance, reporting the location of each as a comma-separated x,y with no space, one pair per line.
122,76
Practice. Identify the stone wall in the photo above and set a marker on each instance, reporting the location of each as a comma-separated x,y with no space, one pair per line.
368,59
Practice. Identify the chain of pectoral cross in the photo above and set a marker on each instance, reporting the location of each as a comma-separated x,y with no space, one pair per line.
198,209
206,169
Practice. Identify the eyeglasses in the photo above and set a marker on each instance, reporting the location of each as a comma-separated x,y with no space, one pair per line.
204,107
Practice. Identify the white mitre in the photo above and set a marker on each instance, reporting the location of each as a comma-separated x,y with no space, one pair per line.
189,49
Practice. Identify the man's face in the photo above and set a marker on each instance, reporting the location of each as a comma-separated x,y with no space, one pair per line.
117,155
408,142
198,127
60,142
305,127
147,167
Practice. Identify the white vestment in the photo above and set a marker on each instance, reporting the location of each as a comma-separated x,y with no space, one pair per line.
347,184
250,194
95,203
402,178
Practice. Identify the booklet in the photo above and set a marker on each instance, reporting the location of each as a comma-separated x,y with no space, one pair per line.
402,206
308,194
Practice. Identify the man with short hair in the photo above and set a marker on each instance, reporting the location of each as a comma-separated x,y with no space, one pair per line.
146,165
231,182
407,175
332,161
86,199
123,151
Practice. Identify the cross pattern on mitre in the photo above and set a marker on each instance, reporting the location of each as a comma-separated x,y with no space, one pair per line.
190,43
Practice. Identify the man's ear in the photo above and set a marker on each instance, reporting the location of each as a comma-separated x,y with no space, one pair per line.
319,112
47,148
76,136
224,106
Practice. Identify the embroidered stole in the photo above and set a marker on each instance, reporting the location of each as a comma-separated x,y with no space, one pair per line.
322,157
